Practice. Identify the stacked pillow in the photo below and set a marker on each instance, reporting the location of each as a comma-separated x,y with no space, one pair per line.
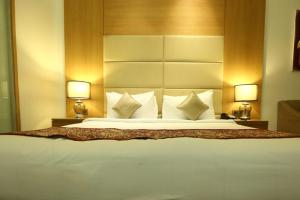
170,106
147,110
144,106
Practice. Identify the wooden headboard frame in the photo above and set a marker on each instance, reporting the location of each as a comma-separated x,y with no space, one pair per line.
171,65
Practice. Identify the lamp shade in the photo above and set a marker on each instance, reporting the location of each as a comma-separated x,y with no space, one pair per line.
247,92
78,89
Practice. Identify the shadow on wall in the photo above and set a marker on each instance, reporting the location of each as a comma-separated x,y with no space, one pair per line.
41,91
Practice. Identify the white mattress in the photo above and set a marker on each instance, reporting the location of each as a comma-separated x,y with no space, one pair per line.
178,169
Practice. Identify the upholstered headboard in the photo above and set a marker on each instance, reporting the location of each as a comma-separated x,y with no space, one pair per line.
171,65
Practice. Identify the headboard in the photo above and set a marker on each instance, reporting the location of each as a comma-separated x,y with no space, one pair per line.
171,65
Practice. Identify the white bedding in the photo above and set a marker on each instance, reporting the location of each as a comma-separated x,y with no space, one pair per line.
157,124
168,169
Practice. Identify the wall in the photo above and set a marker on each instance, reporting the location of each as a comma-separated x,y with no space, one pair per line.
83,50
167,17
279,82
7,117
243,49
243,22
83,32
40,50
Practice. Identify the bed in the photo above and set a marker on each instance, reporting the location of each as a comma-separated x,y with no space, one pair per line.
175,168
162,159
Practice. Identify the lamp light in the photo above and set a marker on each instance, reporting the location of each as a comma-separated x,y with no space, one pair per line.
79,90
245,93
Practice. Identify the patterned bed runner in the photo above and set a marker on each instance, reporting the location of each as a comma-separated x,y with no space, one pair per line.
85,134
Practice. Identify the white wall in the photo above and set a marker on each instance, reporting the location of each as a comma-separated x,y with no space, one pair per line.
279,82
40,50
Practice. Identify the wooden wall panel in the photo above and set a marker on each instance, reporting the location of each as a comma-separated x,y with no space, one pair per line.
83,50
164,17
244,48
87,21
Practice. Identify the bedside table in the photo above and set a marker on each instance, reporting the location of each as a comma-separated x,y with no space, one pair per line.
58,122
254,123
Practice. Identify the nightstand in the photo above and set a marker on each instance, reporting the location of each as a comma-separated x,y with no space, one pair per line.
254,123
58,122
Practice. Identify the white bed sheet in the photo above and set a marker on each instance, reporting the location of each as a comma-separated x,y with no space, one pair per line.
168,169
157,124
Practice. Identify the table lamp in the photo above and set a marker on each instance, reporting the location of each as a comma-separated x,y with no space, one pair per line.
79,90
245,93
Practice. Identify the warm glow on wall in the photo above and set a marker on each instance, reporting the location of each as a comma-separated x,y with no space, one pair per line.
167,17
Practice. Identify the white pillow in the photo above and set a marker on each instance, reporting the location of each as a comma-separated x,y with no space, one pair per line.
148,110
170,103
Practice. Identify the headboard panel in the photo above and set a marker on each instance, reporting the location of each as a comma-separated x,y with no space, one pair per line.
133,74
133,48
204,49
200,75
171,65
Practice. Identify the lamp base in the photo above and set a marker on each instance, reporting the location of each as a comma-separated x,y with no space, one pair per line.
79,109
245,111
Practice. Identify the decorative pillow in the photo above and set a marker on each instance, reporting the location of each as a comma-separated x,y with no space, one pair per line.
126,106
148,110
170,103
192,106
